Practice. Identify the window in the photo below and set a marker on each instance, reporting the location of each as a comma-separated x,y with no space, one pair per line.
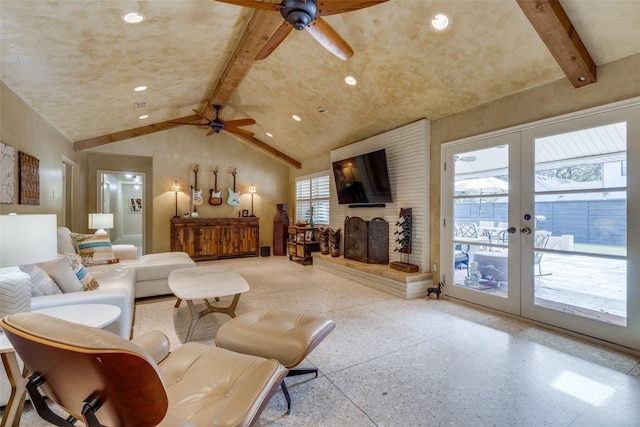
313,191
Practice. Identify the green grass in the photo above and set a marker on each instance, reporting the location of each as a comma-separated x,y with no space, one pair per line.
600,249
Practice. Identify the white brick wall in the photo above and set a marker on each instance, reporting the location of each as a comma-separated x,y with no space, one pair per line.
407,150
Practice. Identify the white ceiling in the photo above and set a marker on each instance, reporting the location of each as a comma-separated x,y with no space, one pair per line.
76,64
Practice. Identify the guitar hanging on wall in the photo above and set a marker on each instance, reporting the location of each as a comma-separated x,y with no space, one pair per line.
234,196
215,196
196,194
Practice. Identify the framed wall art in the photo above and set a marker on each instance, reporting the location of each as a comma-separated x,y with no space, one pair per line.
135,205
29,184
7,174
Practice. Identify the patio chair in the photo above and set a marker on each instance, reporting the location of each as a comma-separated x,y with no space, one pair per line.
541,241
485,224
104,380
468,230
502,237
461,257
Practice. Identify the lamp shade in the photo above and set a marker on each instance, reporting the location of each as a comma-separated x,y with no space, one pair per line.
27,239
100,220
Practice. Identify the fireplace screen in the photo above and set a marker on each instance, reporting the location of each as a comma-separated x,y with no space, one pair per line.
366,241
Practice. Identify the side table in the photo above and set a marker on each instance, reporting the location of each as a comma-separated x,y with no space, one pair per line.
96,315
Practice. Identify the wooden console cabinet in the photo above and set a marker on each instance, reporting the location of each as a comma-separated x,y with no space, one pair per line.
302,241
213,238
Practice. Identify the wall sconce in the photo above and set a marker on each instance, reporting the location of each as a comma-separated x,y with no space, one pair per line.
252,190
175,188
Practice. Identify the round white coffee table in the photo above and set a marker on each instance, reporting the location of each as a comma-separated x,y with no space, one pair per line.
204,283
96,315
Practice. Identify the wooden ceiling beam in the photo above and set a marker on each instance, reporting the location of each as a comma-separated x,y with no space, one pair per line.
130,133
270,150
557,32
258,30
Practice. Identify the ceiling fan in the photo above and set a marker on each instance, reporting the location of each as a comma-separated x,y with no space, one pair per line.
217,125
307,14
457,158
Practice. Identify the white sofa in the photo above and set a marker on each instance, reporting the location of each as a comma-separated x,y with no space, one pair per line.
151,270
119,285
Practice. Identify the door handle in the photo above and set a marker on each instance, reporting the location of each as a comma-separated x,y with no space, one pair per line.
525,230
511,230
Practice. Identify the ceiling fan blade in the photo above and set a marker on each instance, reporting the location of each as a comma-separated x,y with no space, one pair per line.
278,37
237,123
240,132
211,132
333,7
329,38
201,115
185,123
255,4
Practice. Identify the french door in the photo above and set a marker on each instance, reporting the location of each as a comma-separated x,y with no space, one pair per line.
539,222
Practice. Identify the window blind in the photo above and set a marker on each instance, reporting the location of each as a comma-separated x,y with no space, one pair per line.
313,191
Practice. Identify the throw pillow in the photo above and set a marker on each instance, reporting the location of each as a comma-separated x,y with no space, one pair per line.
60,270
41,283
89,283
95,249
65,242
15,291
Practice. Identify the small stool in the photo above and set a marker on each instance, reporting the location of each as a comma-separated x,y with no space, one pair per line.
282,335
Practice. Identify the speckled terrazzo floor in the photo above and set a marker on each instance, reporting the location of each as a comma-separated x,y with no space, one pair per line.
393,362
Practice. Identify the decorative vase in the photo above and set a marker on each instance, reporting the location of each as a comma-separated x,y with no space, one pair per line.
280,230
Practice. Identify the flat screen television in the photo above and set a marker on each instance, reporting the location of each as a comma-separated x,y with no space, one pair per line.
363,179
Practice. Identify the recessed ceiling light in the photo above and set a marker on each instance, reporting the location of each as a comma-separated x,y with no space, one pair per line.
140,88
144,116
440,21
269,134
322,110
296,118
350,80
133,17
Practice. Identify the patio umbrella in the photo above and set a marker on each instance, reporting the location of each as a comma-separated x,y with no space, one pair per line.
484,185
487,185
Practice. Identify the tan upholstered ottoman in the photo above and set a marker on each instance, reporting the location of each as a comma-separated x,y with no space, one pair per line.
282,335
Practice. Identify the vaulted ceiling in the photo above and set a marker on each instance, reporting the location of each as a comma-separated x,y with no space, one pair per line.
76,63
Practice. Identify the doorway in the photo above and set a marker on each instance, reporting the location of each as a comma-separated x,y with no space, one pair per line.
537,222
123,195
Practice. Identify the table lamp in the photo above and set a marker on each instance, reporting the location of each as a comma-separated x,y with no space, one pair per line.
252,190
24,239
175,188
100,221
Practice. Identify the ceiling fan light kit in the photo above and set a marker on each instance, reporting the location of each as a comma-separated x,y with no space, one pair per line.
298,14
217,125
